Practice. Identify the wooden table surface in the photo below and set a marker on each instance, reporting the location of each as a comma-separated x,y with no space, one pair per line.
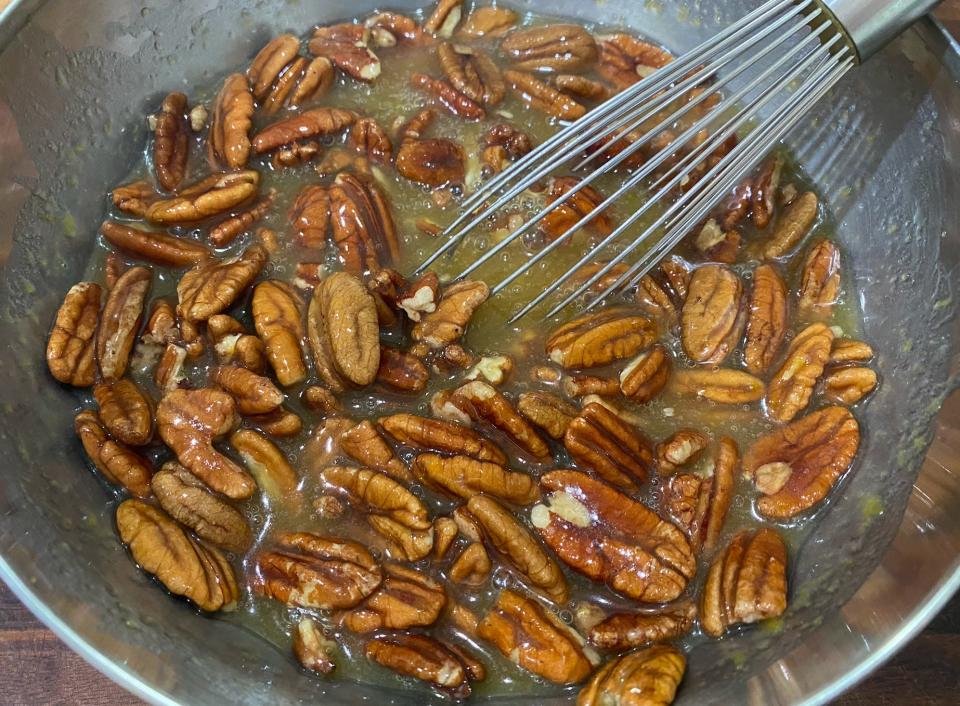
36,668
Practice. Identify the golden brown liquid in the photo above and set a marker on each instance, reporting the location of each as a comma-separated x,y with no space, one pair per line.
390,100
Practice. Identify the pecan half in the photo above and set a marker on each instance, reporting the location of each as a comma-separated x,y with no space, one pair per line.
422,658
270,62
848,350
565,215
120,322
464,477
600,338
624,631
168,374
535,639
188,421
362,225
649,677
448,322
312,649
253,393
766,320
156,247
405,599
444,532
547,411
472,72
71,346
315,122
212,196
185,566
582,87
276,308
449,97
441,436
646,375
371,140
444,18
764,191
113,459
624,59
542,96
343,331
792,385
310,571
700,505
818,448
392,510
125,411
680,448
557,47
300,81
185,498
711,319
721,385
609,537
161,327
346,45
229,142
268,464
488,22
820,280
364,443
482,402
430,161
402,371
792,225
656,300
746,583
716,244
472,567
227,230
602,442
310,216
849,385
171,145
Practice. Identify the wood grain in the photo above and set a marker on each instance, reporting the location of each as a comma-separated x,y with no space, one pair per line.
36,668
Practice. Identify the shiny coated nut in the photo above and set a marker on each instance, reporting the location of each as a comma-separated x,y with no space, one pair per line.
268,464
253,393
792,385
547,411
792,225
71,347
472,567
766,320
345,45
711,315
849,385
171,145
120,322
114,460
402,371
316,122
156,247
600,338
624,59
422,658
212,287
602,442
722,385
405,599
647,677
449,97
464,477
482,402
820,280
125,411
441,436
472,73
365,444
362,225
229,141
624,631
212,196
680,448
276,311
488,22
646,375
448,322
312,649
557,47
542,96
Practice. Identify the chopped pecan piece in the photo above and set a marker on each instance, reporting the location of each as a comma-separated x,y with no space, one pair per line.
492,368
472,567
392,510
680,448
765,186
420,297
125,411
535,639
402,371
295,154
169,371
362,225
557,47
716,244
430,161
721,385
849,385
120,322
171,145
364,443
280,423
792,385
71,346
624,59
400,27
483,402
422,658
190,502
316,122
624,631
368,138
488,22
444,18
185,566
471,72
600,338
746,583
444,532
766,320
345,45
161,325
848,350
227,230
820,281
542,96
229,140
212,196
646,375
601,441
792,225
712,317
498,528
448,322
321,400
449,97
312,649
700,505
464,477
441,436
276,308
113,459
818,448
609,537
647,677
268,464
155,247
565,215
654,299
310,571
547,411
515,143
188,421
405,599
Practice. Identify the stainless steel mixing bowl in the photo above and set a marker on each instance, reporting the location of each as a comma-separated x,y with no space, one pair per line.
75,82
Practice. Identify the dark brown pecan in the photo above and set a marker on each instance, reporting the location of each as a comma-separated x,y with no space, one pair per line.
547,411
120,322
171,145
820,280
153,246
600,338
114,460
346,45
229,141
422,658
303,126
565,215
610,537
542,96
601,441
444,437
431,161
270,62
646,375
792,386
472,72
300,81
310,571
185,566
766,320
402,371
557,47
405,599
125,411
276,309
228,229
712,317
647,677
71,346
624,59
746,583
482,402
464,477
371,140
624,631
449,97
363,227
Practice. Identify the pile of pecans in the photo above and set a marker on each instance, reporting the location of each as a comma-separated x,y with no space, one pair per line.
535,478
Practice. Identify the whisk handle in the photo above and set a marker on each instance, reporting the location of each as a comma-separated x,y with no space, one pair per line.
870,24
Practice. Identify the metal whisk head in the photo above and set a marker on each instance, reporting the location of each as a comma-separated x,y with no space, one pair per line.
769,68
